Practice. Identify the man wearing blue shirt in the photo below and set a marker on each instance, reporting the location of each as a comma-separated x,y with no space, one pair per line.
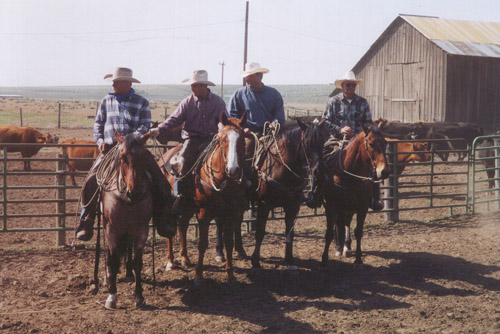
125,112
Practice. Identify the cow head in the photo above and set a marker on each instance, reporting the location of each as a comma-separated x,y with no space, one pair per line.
48,139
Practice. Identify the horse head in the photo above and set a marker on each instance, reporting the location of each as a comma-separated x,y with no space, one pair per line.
132,158
374,145
232,144
313,140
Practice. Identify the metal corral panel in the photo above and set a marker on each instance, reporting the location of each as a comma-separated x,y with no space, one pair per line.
469,49
456,30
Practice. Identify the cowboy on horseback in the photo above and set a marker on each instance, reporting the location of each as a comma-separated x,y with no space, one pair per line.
125,112
345,114
199,114
264,105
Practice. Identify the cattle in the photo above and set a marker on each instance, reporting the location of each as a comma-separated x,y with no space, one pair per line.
79,152
399,130
25,135
413,152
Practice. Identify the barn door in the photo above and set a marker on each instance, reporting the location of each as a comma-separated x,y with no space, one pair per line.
402,87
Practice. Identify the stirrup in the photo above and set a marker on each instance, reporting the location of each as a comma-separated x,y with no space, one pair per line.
85,230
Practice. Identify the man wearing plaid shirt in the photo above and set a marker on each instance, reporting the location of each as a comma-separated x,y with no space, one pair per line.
344,115
125,112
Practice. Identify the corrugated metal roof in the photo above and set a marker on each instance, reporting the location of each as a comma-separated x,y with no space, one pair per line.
468,38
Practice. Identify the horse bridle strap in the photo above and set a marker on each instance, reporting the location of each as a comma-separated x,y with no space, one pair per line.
349,173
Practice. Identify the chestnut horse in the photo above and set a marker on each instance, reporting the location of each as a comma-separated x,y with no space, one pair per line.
282,177
348,188
127,208
219,193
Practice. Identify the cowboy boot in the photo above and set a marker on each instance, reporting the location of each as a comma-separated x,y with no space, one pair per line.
376,204
165,222
85,229
181,193
313,198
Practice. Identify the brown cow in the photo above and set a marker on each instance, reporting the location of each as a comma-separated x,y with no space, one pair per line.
25,135
80,152
413,152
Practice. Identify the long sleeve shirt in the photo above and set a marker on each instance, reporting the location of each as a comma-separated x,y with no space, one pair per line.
340,112
131,115
265,105
200,116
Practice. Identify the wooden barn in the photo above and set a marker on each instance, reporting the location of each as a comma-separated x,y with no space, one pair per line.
432,69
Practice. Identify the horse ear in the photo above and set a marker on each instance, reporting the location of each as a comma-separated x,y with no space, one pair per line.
223,118
243,118
118,136
301,124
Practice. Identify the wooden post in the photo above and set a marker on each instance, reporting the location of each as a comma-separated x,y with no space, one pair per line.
496,142
21,115
390,193
307,112
59,117
61,197
287,114
166,112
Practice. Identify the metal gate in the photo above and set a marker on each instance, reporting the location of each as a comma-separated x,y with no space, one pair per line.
486,158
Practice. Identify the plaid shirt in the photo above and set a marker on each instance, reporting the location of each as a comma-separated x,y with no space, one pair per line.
339,113
131,115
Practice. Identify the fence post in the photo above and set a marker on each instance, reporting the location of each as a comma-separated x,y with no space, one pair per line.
166,112
390,192
4,189
287,114
61,198
21,115
496,142
59,117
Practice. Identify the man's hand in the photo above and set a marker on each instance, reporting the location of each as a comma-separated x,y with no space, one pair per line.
154,132
246,131
102,147
346,131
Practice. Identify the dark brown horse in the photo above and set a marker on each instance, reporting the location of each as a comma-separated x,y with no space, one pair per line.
282,177
348,188
126,210
219,193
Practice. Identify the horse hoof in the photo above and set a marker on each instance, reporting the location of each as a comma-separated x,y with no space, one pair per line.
220,259
198,282
358,266
338,254
169,266
292,268
129,279
346,253
111,302
139,302
241,255
186,263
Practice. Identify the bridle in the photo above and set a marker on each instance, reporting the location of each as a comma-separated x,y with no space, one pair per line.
372,179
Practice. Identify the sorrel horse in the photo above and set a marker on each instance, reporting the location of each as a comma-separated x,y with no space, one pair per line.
348,188
219,193
282,177
126,210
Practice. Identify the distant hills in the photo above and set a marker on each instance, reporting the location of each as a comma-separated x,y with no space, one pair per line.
302,94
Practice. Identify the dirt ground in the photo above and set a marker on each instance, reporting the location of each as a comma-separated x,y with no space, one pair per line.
427,273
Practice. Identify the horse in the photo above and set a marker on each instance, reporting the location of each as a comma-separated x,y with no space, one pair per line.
127,208
348,187
282,176
219,193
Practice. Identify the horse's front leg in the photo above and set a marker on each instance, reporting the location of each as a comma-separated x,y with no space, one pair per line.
262,214
219,248
358,233
330,222
129,274
138,297
291,212
238,241
182,231
228,244
344,245
340,223
204,219
112,267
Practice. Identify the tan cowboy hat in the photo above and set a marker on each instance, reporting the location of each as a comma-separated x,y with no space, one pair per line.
348,77
199,77
252,68
121,73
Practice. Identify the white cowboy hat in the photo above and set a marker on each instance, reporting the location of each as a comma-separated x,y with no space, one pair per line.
199,77
348,77
121,73
252,68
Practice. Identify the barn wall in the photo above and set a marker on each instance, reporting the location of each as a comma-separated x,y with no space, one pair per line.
404,76
473,91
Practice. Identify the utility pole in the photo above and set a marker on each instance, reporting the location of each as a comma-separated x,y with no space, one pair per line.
222,80
246,41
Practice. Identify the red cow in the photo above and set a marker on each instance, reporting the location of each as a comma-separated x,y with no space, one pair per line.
25,135
80,152
412,152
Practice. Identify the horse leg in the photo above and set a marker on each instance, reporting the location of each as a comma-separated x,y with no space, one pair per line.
182,231
238,241
358,233
290,216
112,267
219,257
340,230
170,253
129,275
138,297
262,214
229,243
330,221
203,223
348,241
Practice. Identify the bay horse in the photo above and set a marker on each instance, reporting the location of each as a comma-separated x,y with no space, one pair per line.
282,177
219,193
127,208
348,188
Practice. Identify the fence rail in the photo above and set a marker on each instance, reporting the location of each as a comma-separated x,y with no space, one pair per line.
425,185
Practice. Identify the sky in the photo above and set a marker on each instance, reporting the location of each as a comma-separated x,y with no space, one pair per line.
75,42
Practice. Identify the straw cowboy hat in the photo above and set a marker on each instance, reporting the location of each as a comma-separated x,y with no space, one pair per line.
121,73
348,77
199,77
252,68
